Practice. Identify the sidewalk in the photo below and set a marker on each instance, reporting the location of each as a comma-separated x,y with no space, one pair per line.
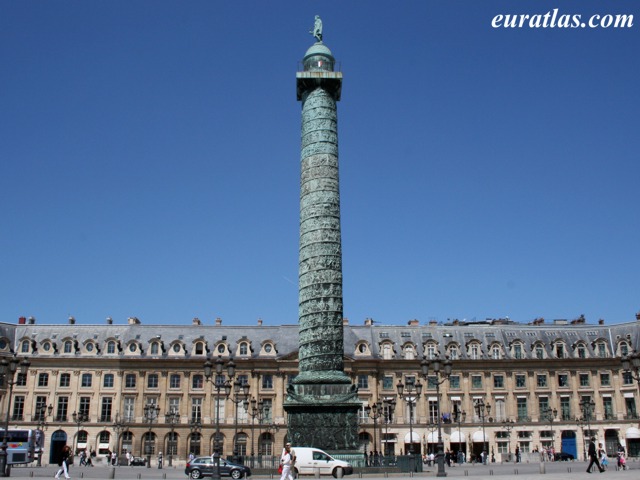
523,471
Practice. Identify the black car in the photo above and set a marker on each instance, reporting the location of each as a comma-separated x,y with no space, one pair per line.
138,462
204,467
563,457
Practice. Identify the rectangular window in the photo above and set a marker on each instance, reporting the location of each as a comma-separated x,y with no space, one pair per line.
21,380
197,382
363,382
433,412
602,350
563,380
130,380
108,380
62,409
498,381
218,403
267,408
18,408
267,381
584,379
174,404
607,403
605,379
105,409
41,408
85,406
476,381
43,380
521,381
627,379
129,409
523,414
196,409
243,379
174,380
65,380
542,380
517,351
454,382
543,406
86,380
630,405
152,380
387,382
565,408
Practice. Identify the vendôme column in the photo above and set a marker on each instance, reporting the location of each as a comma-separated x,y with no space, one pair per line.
321,403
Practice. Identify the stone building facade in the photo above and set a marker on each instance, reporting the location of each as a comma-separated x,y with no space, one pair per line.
143,388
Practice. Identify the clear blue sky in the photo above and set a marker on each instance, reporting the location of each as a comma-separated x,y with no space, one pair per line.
150,160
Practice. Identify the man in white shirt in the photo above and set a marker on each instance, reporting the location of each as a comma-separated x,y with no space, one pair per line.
287,460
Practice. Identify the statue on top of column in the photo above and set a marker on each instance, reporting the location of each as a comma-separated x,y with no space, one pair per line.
317,29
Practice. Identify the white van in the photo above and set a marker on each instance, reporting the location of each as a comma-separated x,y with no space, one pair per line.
309,460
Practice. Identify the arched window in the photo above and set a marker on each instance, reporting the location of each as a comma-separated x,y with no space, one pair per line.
265,445
24,347
149,443
155,348
244,348
68,346
495,352
199,348
241,442
194,443
409,353
387,351
111,347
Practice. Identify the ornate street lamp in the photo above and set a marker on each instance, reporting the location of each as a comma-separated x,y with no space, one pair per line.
220,384
240,396
151,412
119,426
580,422
195,426
508,426
256,411
79,419
459,417
442,370
413,390
588,407
389,407
375,412
481,407
42,412
550,415
631,365
172,417
8,369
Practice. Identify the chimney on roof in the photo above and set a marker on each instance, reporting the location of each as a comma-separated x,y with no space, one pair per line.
456,322
345,321
22,320
433,323
196,321
133,321
31,320
601,321
72,321
259,322
218,321
109,321
413,323
368,322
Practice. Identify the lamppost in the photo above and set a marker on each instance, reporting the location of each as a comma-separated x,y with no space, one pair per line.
550,415
389,407
79,419
256,411
119,425
631,365
580,422
151,412
42,412
219,383
8,369
375,412
442,370
172,417
459,417
432,427
587,406
413,392
240,395
481,407
195,426
508,426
